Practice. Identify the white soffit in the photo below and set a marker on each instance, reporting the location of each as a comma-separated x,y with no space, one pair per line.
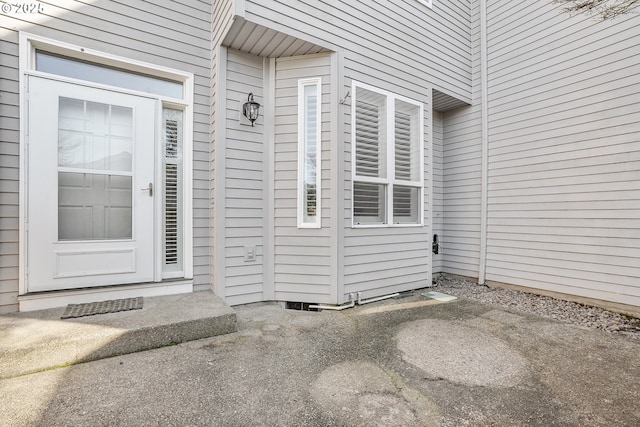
255,39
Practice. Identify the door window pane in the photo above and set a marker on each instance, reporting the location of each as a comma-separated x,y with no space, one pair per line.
94,207
94,136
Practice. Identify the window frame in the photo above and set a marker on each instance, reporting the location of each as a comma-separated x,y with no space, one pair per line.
30,43
390,181
302,152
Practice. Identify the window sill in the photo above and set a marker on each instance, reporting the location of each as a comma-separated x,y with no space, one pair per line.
386,225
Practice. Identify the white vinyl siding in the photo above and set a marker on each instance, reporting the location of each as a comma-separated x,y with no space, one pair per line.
388,158
309,150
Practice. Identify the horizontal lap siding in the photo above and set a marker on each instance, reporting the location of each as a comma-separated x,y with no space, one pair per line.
302,269
403,47
564,175
404,39
9,172
221,20
379,261
386,260
462,176
167,33
462,173
438,196
244,182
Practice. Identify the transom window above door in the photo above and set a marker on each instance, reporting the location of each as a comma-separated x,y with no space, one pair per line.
114,146
99,73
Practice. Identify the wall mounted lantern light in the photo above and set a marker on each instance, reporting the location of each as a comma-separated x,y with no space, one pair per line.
250,109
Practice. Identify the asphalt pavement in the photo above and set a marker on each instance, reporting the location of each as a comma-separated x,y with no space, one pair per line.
408,361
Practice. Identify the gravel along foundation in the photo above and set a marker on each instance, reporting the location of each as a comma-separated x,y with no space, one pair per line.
566,311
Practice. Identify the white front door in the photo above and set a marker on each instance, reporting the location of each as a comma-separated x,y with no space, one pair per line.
90,208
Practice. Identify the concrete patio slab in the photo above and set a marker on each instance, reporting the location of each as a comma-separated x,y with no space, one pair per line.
39,340
400,362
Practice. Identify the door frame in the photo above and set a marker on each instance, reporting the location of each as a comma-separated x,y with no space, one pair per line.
137,260
28,43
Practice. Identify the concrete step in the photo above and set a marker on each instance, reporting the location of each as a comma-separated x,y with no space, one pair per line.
39,340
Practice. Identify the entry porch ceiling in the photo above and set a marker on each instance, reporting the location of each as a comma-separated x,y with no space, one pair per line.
255,39
443,102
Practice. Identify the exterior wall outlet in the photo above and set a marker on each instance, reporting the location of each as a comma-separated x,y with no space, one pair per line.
249,253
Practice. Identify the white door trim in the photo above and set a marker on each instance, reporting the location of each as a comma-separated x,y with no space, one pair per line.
28,43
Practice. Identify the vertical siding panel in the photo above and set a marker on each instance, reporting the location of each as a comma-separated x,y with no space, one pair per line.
162,32
564,152
301,273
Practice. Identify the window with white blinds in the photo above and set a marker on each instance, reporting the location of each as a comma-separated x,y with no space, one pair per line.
172,126
309,153
387,157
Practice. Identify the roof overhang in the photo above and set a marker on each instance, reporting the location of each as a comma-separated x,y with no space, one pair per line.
258,40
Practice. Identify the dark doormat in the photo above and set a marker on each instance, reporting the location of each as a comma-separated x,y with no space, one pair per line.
102,307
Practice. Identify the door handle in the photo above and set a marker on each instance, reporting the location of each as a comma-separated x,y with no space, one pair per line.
149,189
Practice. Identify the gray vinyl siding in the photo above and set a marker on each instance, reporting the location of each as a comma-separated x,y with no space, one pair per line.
401,47
462,169
393,38
167,33
9,174
384,260
564,199
221,19
438,195
303,262
244,182
462,176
